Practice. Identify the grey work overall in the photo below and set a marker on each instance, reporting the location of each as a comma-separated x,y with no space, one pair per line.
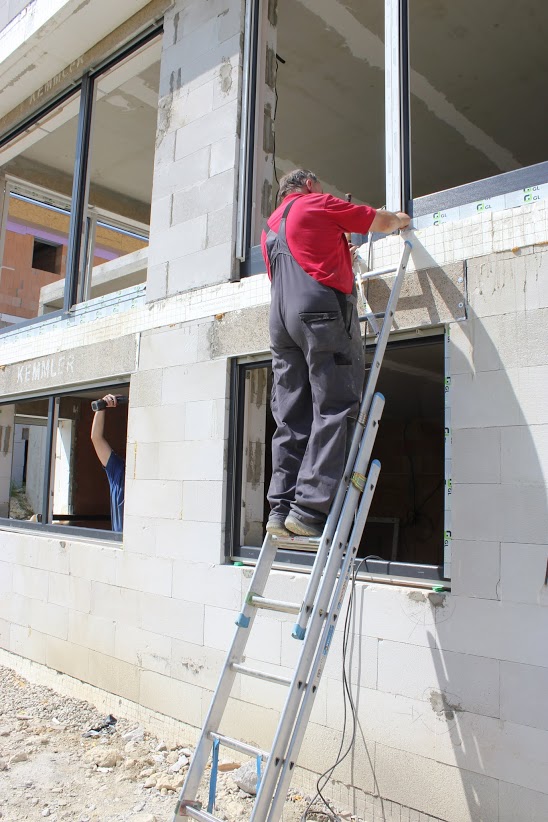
318,373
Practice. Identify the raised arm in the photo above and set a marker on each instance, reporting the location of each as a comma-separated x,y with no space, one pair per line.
387,221
102,448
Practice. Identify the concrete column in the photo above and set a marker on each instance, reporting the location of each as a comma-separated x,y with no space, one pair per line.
194,187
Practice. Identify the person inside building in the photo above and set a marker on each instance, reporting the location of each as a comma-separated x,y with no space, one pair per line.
113,464
317,350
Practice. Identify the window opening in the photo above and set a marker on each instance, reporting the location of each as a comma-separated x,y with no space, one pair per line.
406,524
47,256
79,489
467,61
121,165
320,100
35,234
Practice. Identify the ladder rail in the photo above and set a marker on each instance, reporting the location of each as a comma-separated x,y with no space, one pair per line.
226,680
319,611
317,615
325,542
307,702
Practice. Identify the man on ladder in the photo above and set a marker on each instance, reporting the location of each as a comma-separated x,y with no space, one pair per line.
317,352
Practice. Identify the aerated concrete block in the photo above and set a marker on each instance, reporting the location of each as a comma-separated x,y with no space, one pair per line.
476,455
440,678
111,602
67,657
523,573
475,569
518,803
28,642
173,697
175,617
523,690
92,632
445,792
148,651
114,676
524,455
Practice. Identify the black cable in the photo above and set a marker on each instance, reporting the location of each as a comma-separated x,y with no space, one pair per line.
348,703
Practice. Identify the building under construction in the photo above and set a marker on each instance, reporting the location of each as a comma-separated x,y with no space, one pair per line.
141,147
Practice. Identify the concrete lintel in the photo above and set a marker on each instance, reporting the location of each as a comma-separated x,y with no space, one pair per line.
84,364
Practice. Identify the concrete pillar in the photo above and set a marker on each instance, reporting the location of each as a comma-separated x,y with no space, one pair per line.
194,187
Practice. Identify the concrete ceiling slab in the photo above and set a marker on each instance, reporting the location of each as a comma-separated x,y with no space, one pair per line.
47,36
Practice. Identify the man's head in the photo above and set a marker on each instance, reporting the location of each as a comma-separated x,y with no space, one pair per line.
300,181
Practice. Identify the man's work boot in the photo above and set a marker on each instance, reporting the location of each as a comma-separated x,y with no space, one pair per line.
275,526
303,529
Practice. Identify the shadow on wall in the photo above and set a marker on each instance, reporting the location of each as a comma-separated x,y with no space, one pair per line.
454,723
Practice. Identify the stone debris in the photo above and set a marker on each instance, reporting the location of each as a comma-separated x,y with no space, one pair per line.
53,768
246,777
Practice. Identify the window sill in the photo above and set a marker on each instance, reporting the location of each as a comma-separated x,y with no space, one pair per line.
36,528
381,571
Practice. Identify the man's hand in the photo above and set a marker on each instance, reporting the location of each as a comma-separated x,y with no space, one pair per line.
405,219
110,400
353,249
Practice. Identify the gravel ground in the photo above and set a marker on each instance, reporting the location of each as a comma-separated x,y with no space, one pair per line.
48,770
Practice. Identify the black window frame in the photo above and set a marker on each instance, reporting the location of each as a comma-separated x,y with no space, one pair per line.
85,86
377,569
53,396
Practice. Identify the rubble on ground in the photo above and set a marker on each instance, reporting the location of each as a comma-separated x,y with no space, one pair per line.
52,768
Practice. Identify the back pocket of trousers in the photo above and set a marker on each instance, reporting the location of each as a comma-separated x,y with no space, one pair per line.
325,331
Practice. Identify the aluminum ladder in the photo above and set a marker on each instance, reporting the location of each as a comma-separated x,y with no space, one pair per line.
316,616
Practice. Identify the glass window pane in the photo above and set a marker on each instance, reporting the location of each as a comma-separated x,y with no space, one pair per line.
26,457
121,169
477,90
321,100
39,165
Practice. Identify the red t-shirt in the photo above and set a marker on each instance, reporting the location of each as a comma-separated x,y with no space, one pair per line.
315,234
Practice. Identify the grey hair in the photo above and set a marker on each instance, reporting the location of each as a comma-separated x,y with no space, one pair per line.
294,181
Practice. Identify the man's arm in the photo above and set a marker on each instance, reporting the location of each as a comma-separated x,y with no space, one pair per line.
387,221
102,448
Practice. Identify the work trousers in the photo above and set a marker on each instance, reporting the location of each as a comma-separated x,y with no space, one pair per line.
318,372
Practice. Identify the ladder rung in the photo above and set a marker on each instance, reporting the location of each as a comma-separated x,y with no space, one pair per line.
202,816
379,272
237,745
274,604
304,543
378,315
254,672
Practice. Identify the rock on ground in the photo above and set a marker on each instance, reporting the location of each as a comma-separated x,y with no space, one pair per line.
50,771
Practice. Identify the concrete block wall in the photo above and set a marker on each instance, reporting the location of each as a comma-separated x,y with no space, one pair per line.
449,688
195,170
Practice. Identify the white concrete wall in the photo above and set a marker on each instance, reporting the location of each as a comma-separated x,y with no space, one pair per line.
450,688
193,195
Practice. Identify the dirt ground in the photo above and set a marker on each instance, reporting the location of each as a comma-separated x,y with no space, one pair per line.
49,770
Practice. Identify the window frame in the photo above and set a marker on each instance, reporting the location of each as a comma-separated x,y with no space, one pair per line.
46,526
398,173
76,275
386,571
